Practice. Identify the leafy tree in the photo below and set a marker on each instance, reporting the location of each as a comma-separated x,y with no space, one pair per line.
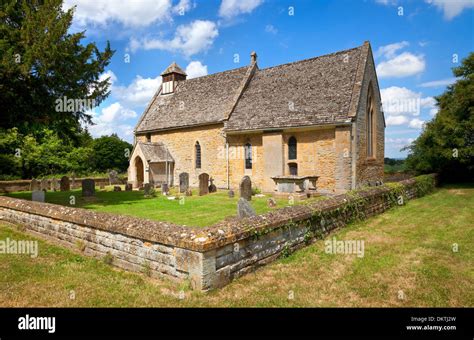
109,152
41,63
446,144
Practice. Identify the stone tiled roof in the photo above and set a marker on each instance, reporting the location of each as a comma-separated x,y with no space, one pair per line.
197,101
155,152
173,68
308,92
316,91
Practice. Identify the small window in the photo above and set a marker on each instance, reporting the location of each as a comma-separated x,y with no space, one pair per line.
370,125
248,156
292,148
148,137
293,169
197,149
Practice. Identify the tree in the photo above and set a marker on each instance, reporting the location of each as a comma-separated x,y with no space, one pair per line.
446,144
110,153
42,65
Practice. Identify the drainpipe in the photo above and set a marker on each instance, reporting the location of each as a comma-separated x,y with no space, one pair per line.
227,160
353,153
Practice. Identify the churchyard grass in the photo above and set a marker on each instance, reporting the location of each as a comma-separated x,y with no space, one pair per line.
195,210
420,254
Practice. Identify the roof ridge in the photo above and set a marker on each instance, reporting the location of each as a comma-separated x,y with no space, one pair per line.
313,58
212,74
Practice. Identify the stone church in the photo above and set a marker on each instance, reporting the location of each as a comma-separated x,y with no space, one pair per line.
315,117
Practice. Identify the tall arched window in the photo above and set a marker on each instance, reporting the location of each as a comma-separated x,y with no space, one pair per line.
370,128
197,151
248,156
292,148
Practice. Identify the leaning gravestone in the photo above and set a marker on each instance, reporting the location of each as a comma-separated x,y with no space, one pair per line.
88,187
113,177
212,187
246,188
35,185
44,184
183,182
244,209
64,184
231,193
165,189
38,196
54,184
203,184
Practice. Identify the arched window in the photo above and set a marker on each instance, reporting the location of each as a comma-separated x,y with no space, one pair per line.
292,148
197,150
248,156
370,128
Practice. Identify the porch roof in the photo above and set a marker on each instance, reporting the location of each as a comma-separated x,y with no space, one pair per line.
155,152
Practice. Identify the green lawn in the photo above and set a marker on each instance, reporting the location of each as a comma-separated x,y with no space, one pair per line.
196,210
409,261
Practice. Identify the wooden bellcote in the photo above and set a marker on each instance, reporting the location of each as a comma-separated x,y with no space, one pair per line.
170,78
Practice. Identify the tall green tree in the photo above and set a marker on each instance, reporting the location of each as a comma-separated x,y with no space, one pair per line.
110,153
41,62
446,144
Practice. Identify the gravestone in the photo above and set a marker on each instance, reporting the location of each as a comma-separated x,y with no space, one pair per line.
183,182
88,187
113,177
54,184
128,187
38,196
189,192
102,186
165,189
44,184
73,180
231,193
35,185
147,189
117,188
212,187
271,202
244,209
64,184
246,188
203,184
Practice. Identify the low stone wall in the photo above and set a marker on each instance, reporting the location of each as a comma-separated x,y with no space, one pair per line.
209,257
24,184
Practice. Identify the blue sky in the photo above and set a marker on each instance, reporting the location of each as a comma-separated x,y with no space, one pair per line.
415,44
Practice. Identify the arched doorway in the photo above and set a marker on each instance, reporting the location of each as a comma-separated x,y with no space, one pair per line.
139,171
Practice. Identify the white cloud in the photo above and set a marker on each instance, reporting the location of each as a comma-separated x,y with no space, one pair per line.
112,119
182,7
438,83
386,2
271,29
389,51
402,101
416,123
129,13
232,8
396,120
451,8
189,39
138,93
403,65
196,69
398,143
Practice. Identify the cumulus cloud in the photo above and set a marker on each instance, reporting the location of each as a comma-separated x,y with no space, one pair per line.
196,69
182,7
129,13
416,123
403,65
232,8
451,8
398,142
138,93
189,39
438,83
389,51
112,119
396,120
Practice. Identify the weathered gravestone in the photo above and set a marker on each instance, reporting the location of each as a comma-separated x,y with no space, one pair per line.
246,188
165,189
231,193
117,188
35,185
244,209
88,187
54,184
44,184
148,189
271,202
102,186
128,187
38,196
212,187
189,192
203,184
113,177
64,184
183,182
